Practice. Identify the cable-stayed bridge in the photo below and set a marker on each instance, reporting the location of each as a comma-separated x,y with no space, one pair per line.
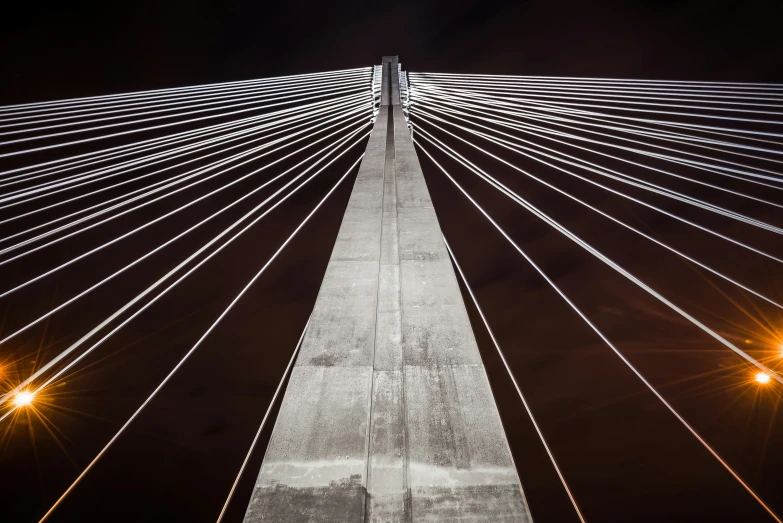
385,409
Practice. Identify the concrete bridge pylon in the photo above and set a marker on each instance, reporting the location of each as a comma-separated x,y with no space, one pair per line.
388,415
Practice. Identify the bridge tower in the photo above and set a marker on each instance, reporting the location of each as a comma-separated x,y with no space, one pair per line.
388,415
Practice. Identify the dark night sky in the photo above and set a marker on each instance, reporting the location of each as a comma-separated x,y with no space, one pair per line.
626,458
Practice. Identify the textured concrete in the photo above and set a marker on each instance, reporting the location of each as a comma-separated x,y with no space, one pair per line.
388,416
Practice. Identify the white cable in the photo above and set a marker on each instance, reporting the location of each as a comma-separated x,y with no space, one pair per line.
254,100
142,94
154,127
215,100
159,101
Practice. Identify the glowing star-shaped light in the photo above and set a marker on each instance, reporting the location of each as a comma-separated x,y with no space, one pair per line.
762,377
23,398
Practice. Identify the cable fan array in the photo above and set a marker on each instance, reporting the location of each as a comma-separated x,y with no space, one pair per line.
210,162
696,155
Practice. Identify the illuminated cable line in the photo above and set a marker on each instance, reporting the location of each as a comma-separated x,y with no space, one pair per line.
147,144
548,106
493,105
516,124
627,179
173,100
595,329
692,200
778,178
108,278
192,174
105,173
126,195
153,251
173,90
112,153
691,128
104,104
172,103
254,100
470,107
617,97
659,133
608,90
595,252
102,174
263,423
516,386
527,128
733,132
76,222
620,222
266,95
641,202
696,83
195,346
502,96
161,126
171,272
170,213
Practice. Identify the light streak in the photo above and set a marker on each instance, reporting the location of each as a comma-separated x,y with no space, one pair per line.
23,398
763,378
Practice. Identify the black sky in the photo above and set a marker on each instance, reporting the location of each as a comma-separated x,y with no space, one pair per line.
627,459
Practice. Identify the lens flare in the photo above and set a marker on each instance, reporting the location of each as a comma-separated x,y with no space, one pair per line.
763,378
23,398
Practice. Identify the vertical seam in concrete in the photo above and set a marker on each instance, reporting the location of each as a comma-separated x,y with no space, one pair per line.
408,505
368,468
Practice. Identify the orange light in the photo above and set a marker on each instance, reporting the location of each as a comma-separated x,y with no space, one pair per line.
763,378
23,398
